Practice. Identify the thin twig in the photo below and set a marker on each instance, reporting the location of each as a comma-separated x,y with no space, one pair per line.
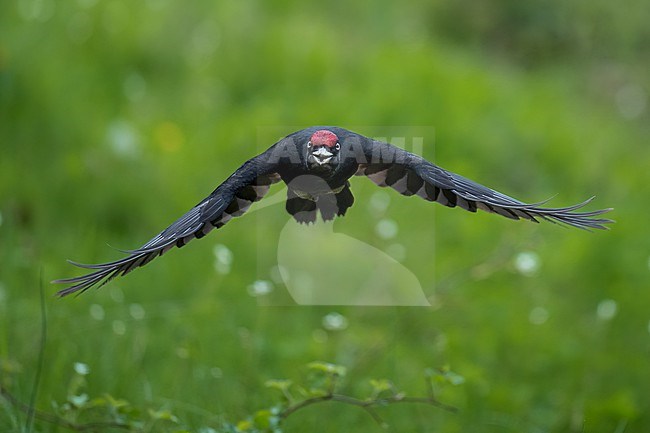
367,405
304,403
434,401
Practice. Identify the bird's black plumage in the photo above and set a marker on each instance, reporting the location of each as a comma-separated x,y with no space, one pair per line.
316,164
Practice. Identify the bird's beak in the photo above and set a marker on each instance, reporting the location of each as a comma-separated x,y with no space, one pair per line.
322,155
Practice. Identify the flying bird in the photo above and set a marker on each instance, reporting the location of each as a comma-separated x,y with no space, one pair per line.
316,164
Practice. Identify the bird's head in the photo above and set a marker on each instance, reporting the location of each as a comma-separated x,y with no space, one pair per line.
323,151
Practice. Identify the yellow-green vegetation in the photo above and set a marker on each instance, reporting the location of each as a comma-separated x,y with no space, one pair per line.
116,117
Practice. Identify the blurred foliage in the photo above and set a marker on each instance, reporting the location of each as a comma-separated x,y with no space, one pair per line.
546,31
80,412
116,117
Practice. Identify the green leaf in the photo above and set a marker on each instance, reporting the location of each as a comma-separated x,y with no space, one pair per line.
455,378
304,392
163,415
279,384
244,425
115,403
98,402
262,419
444,375
327,368
381,385
316,392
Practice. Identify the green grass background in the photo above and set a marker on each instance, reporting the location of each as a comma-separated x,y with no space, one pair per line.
116,117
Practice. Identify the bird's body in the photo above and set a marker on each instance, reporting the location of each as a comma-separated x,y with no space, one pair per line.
316,164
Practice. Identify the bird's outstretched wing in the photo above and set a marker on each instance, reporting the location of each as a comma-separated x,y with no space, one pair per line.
231,199
410,174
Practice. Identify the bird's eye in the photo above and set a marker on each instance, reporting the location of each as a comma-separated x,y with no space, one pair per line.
309,145
337,147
